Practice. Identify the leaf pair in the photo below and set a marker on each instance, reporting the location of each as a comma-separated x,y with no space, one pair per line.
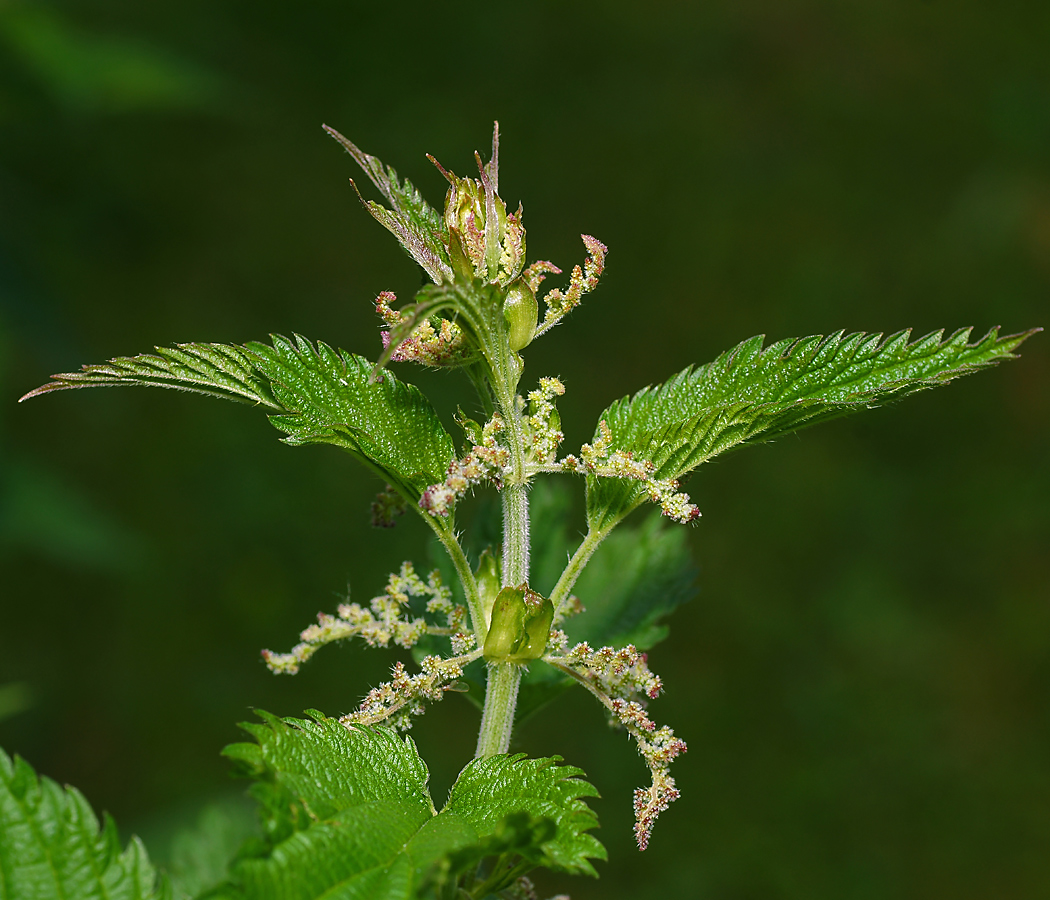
750,394
318,395
347,812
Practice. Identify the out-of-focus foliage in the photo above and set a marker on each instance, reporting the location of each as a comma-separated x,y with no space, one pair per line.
51,845
863,678
90,72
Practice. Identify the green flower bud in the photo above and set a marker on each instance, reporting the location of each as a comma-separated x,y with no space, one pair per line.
520,310
520,627
487,576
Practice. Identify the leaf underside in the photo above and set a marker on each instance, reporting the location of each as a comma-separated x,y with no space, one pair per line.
347,813
318,395
750,394
51,845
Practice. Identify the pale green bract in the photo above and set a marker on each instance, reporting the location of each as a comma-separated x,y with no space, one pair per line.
346,812
750,394
51,845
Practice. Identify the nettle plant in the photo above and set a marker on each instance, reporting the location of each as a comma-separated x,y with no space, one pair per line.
344,804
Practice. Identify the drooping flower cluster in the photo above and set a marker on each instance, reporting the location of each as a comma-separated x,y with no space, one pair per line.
485,462
395,702
599,459
385,620
622,681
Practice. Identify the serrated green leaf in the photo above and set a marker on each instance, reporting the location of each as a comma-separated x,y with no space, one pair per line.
51,845
216,370
321,396
346,813
419,227
490,789
329,397
750,394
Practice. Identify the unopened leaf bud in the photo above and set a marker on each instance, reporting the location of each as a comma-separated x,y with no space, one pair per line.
488,579
520,626
520,310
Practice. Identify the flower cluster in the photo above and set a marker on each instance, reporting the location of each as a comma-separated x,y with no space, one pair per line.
385,620
617,678
544,423
581,281
524,889
443,345
396,701
485,462
599,459
387,507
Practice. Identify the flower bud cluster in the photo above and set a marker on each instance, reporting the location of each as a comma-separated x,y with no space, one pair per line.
569,608
544,424
456,626
396,701
385,620
524,889
444,345
484,240
617,678
596,459
581,281
485,462
387,507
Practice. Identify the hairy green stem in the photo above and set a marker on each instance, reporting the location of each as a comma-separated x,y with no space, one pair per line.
501,691
501,698
515,535
575,566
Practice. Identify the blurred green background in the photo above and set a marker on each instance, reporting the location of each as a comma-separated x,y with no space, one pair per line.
864,679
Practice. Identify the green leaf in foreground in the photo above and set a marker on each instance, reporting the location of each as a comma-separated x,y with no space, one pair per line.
51,845
346,812
750,394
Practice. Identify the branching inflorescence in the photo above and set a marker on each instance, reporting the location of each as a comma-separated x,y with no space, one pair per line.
478,314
